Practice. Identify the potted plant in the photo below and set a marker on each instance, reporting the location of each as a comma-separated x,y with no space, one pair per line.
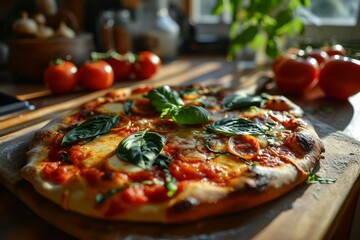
261,25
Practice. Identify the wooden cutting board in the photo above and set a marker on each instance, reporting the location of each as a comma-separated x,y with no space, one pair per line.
306,212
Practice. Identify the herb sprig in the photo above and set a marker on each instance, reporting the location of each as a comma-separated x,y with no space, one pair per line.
167,101
143,150
314,178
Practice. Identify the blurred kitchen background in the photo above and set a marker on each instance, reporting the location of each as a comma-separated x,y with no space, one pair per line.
167,27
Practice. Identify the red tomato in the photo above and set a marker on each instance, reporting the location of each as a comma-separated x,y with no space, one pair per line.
340,77
333,50
60,77
146,65
295,75
290,53
121,68
275,64
319,55
96,75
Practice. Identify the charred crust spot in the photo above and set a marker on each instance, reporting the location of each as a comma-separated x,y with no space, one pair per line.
258,181
184,205
306,141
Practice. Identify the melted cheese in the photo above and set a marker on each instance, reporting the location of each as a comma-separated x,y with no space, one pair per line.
111,108
227,166
101,148
116,164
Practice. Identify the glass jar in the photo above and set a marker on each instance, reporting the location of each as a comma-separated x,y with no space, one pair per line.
115,31
156,30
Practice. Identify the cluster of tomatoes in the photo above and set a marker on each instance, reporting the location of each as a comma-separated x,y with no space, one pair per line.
62,76
299,71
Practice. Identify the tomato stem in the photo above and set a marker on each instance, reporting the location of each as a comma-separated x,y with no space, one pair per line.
129,56
57,61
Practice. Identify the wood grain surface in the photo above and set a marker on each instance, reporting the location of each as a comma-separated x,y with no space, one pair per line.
310,211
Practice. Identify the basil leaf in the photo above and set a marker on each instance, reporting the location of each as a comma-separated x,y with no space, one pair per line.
92,127
240,101
127,107
163,98
190,115
236,126
141,148
162,162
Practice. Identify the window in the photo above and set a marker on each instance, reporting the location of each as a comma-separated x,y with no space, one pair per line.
205,22
327,20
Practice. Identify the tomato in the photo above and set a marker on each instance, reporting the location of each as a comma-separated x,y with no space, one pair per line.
319,55
295,75
96,75
275,64
121,68
290,53
60,77
340,77
146,65
120,63
333,50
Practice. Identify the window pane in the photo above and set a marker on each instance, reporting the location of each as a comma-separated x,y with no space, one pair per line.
202,11
333,12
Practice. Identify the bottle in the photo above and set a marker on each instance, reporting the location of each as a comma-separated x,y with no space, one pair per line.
156,30
122,31
115,31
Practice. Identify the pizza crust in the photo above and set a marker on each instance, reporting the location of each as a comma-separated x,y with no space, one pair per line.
256,186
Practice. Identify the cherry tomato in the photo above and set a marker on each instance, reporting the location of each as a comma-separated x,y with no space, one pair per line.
121,68
339,77
60,77
96,75
319,55
120,63
146,65
275,64
333,50
295,75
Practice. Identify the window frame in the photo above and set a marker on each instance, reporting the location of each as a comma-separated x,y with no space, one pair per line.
333,31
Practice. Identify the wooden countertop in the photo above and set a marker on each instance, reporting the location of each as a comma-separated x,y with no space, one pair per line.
17,221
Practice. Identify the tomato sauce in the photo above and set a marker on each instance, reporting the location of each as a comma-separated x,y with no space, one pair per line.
76,155
57,173
267,158
91,175
199,171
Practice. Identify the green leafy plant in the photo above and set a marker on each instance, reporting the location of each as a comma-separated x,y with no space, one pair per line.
261,23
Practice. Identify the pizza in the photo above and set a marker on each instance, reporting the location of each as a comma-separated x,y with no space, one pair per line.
172,154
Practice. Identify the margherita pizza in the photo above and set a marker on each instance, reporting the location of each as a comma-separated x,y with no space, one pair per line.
172,154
